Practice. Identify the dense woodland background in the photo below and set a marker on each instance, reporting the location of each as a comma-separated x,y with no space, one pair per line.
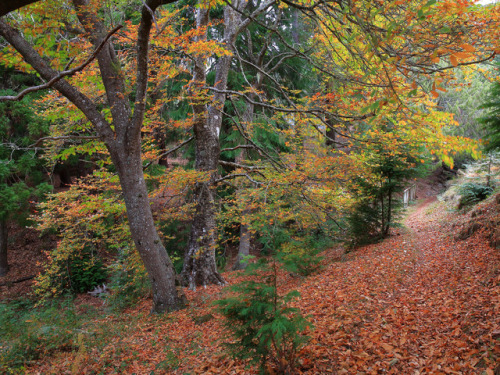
150,150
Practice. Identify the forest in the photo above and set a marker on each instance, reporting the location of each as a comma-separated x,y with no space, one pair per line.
249,187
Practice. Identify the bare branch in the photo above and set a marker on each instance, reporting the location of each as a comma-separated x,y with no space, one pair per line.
169,152
231,176
237,165
64,137
236,148
63,74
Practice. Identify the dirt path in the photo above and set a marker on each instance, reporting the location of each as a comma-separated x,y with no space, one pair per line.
419,302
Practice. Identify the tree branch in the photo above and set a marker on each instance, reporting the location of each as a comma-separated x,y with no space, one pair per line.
7,6
231,176
63,137
147,19
63,74
237,165
236,148
81,101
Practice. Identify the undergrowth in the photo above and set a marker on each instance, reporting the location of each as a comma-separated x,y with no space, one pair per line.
28,333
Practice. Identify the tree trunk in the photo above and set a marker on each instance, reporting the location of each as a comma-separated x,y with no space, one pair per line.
244,247
245,233
122,137
4,265
199,260
167,295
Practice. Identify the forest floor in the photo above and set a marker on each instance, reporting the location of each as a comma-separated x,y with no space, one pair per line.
420,302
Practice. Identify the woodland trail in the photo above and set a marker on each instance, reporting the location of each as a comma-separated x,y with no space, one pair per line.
417,303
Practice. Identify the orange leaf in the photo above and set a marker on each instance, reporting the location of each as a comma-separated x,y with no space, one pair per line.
453,60
435,94
462,55
387,347
468,48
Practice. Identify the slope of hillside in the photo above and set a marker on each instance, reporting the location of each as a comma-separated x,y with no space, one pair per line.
420,302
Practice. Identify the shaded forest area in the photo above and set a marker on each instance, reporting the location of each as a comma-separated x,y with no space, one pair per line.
222,187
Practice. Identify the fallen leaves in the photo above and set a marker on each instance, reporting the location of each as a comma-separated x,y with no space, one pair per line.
418,303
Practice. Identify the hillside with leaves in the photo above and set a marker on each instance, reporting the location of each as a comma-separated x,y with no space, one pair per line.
421,301
242,172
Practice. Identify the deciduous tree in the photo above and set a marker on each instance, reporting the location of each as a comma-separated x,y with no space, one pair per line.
121,131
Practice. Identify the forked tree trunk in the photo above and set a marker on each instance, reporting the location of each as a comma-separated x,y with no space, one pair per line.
4,264
122,137
199,259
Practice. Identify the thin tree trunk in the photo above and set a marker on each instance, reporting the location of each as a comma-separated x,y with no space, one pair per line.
389,213
245,233
244,246
4,265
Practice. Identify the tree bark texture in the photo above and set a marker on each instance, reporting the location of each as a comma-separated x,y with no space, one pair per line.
167,295
7,6
199,259
243,247
245,233
4,264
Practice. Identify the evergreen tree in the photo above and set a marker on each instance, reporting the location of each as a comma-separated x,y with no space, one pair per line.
492,120
378,204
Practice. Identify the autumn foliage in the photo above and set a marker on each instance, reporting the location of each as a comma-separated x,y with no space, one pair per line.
222,132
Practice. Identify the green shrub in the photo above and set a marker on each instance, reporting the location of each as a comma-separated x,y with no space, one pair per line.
86,271
266,328
302,262
472,193
272,237
364,223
